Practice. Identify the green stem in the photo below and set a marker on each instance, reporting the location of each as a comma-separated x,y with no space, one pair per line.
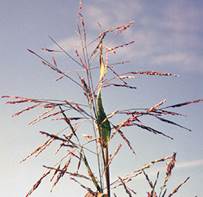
90,173
107,171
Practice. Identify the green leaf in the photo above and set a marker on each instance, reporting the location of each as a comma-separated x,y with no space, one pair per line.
102,121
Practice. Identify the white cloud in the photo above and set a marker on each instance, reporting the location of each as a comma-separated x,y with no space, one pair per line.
186,61
113,13
189,164
182,17
171,58
68,44
181,165
97,15
167,41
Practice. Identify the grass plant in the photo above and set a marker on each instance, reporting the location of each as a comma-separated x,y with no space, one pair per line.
103,126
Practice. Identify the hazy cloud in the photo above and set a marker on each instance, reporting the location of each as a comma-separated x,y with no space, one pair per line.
188,164
166,35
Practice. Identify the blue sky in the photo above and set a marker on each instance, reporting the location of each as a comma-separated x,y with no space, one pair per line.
168,37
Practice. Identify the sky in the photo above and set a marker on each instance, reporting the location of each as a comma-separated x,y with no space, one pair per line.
168,37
